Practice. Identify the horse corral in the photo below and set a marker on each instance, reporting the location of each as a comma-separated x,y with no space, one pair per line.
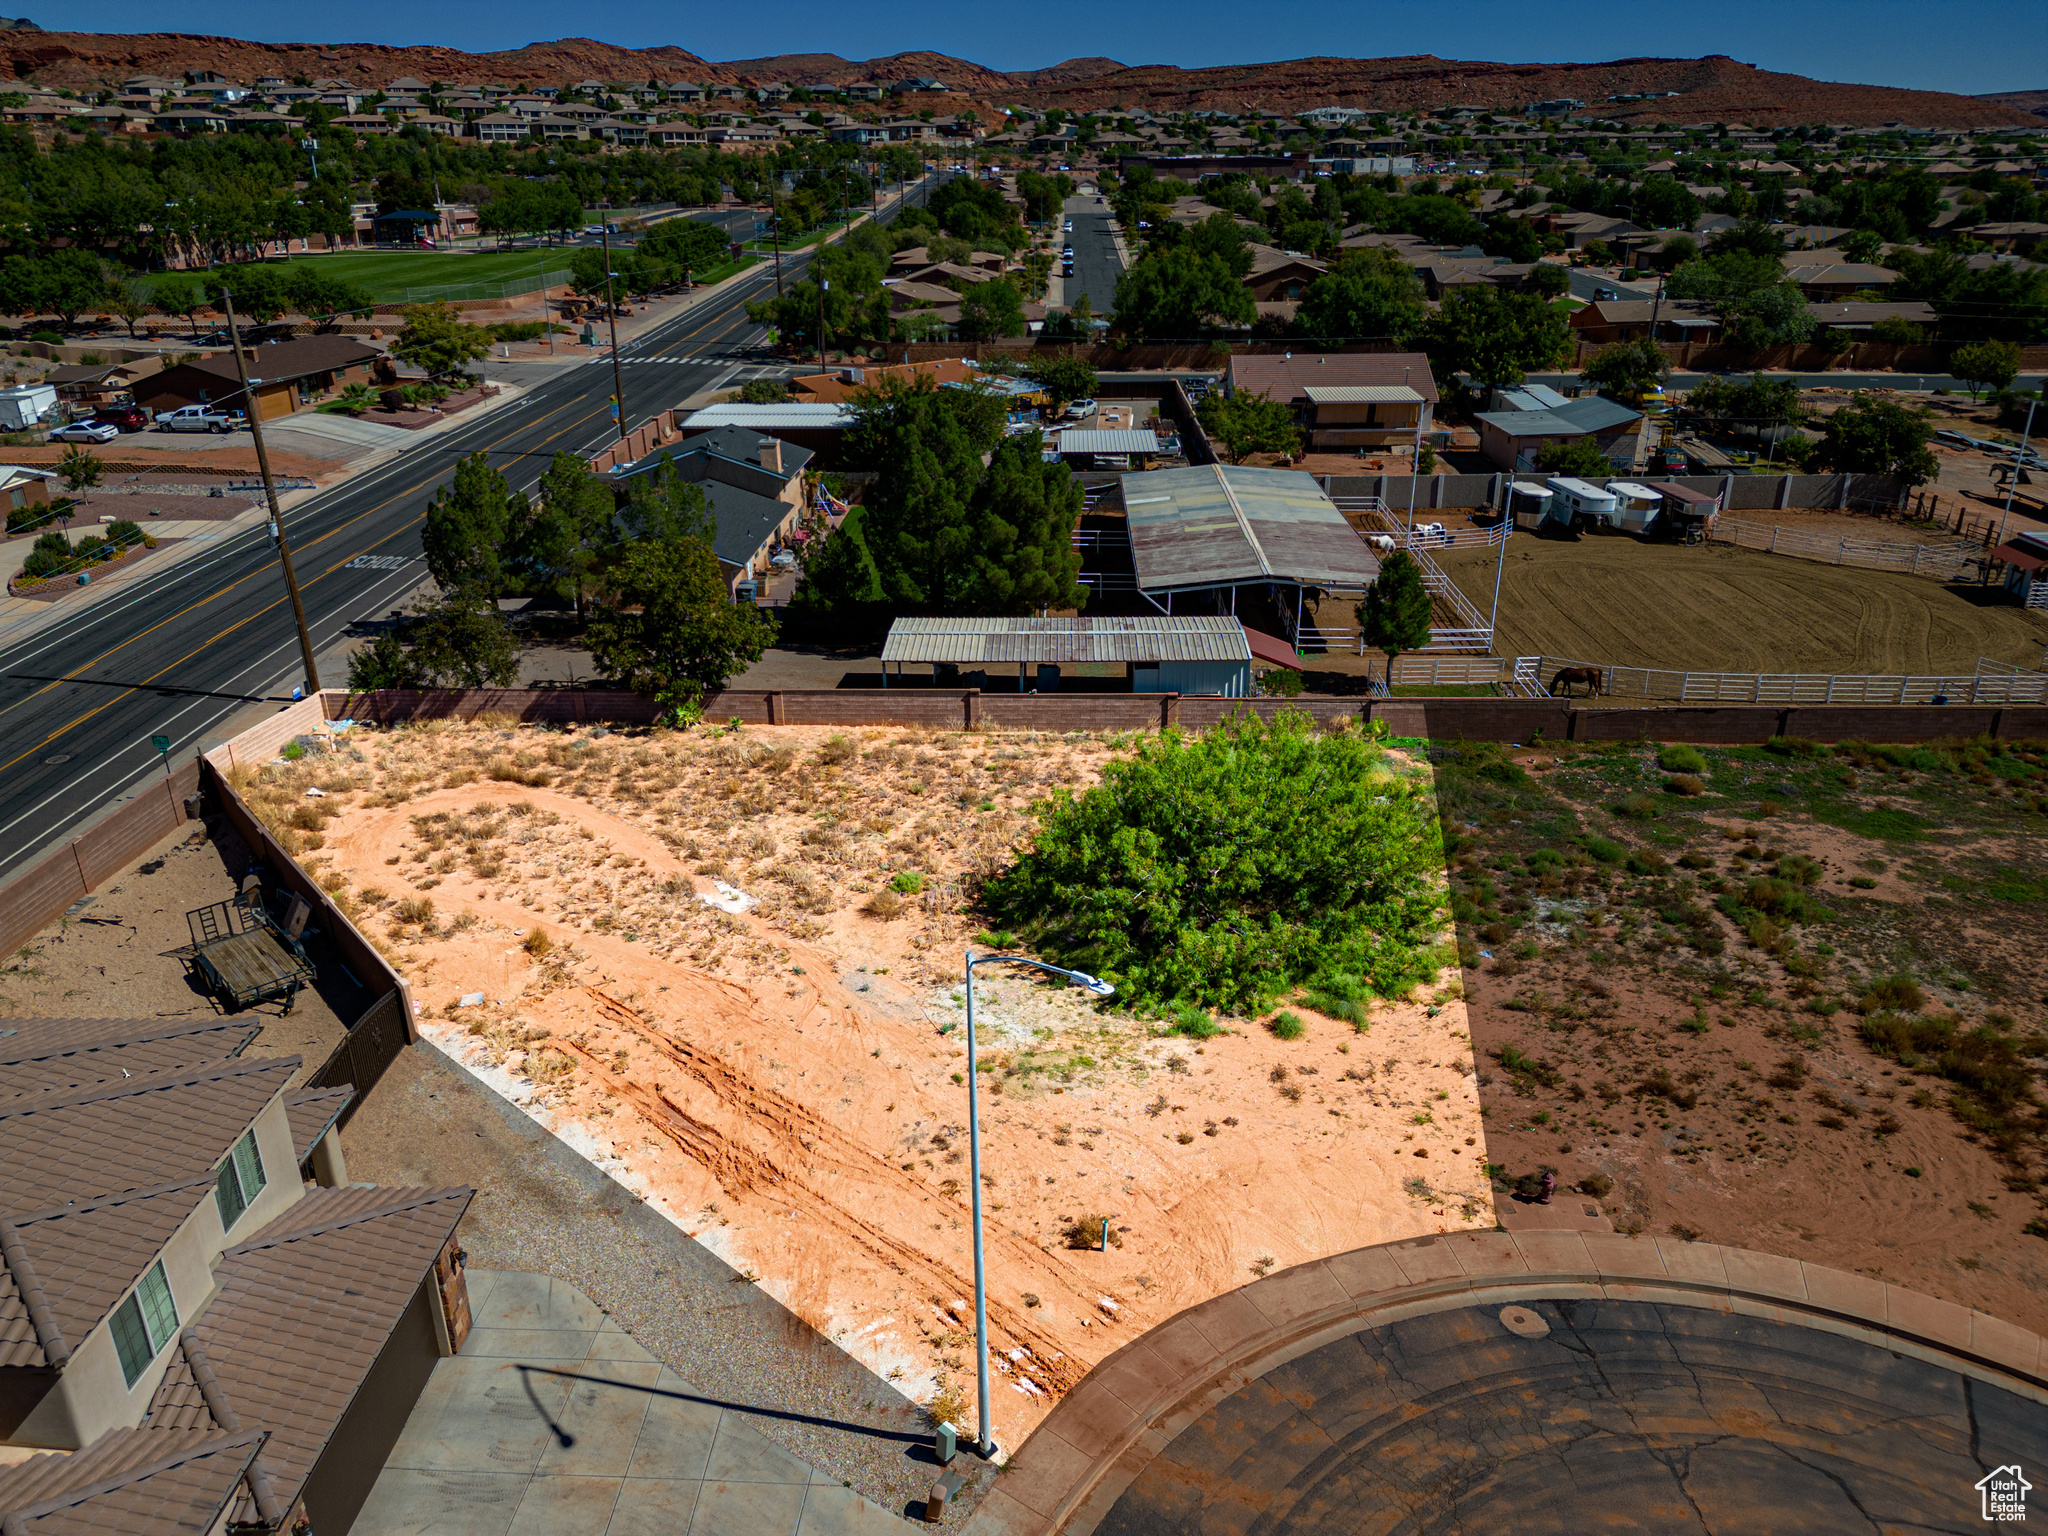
1628,603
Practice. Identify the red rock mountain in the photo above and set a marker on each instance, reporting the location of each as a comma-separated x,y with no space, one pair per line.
1712,89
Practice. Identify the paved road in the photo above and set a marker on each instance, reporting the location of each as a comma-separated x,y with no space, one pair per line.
1909,381
179,651
1096,267
1587,284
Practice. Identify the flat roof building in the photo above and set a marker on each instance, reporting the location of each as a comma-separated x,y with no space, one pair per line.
1202,654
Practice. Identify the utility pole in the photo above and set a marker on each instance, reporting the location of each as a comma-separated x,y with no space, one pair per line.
546,324
2019,467
775,236
824,287
611,310
284,548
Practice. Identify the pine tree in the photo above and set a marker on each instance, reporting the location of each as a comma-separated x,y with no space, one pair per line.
468,523
1024,513
1395,614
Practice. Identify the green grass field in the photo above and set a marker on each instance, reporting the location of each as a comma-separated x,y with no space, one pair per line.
399,276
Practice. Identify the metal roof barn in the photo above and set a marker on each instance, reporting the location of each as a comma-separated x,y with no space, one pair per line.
975,642
1220,525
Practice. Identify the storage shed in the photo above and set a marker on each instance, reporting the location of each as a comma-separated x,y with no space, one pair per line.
1207,654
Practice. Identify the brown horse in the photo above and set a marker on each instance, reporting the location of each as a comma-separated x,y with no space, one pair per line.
1569,678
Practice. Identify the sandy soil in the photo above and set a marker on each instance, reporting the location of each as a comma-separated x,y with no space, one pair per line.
1716,1089
1723,609
787,1082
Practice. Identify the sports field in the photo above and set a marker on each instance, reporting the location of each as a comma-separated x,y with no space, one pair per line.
1717,608
400,276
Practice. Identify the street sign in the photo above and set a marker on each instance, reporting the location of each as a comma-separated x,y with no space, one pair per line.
161,743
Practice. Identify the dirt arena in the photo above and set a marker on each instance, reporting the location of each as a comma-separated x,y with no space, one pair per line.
725,965
1716,608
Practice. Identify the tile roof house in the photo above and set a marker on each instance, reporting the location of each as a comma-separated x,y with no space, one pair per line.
215,1345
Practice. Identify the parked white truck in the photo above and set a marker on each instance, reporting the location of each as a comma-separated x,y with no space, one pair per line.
199,418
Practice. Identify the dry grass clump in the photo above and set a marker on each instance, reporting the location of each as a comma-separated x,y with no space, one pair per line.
537,943
885,903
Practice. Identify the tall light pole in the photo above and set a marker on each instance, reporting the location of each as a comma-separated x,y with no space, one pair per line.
985,1440
611,310
284,548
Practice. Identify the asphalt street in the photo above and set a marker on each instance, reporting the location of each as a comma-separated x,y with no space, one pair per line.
1096,267
180,650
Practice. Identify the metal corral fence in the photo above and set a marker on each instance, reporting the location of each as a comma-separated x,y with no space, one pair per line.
1456,624
1989,684
1947,560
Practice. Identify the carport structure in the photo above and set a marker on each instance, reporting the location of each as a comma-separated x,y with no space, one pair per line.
1198,654
1217,527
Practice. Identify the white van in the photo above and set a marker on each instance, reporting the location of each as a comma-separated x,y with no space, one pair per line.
1577,504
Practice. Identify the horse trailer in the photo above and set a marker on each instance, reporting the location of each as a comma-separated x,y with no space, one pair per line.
1576,504
1637,506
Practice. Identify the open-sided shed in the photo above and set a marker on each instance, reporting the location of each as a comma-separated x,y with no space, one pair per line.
1218,527
1194,654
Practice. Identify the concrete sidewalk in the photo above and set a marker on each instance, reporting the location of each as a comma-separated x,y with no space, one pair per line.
554,1422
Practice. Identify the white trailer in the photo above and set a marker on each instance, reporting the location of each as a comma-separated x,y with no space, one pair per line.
26,405
1576,504
1638,506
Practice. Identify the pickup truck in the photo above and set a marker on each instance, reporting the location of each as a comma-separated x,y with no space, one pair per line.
198,418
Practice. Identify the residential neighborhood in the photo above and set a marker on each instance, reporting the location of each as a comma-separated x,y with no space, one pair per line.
811,793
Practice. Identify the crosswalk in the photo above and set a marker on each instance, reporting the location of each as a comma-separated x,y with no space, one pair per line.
698,362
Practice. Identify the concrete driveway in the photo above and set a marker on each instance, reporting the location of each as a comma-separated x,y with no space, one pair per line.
552,1421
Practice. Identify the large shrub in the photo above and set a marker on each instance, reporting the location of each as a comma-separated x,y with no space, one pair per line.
1230,868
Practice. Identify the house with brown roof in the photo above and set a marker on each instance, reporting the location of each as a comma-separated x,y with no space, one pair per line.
1280,277
285,376
838,387
1606,320
1344,399
1825,275
215,1329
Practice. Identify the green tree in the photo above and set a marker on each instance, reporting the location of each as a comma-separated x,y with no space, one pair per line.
1369,294
179,295
1180,293
925,445
1023,515
457,641
1494,336
258,291
322,296
1869,436
1246,423
73,281
556,545
1548,280
1754,405
1222,869
991,309
1575,456
80,469
468,524
1062,378
1983,365
1395,614
1627,367
1861,245
667,624
437,339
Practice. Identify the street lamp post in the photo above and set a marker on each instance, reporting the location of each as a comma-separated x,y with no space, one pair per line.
985,1440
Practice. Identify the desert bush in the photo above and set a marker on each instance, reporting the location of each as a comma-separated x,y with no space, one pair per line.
1895,991
537,942
1224,868
909,883
1596,1184
1195,1023
1686,784
1661,1084
1085,1232
838,749
416,909
885,903
1637,807
1286,1026
1680,758
1794,746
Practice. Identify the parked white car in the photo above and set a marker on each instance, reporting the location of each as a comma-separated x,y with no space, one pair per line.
86,432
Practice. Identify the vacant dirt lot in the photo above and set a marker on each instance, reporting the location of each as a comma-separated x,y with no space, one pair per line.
725,965
1715,608
1790,1001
